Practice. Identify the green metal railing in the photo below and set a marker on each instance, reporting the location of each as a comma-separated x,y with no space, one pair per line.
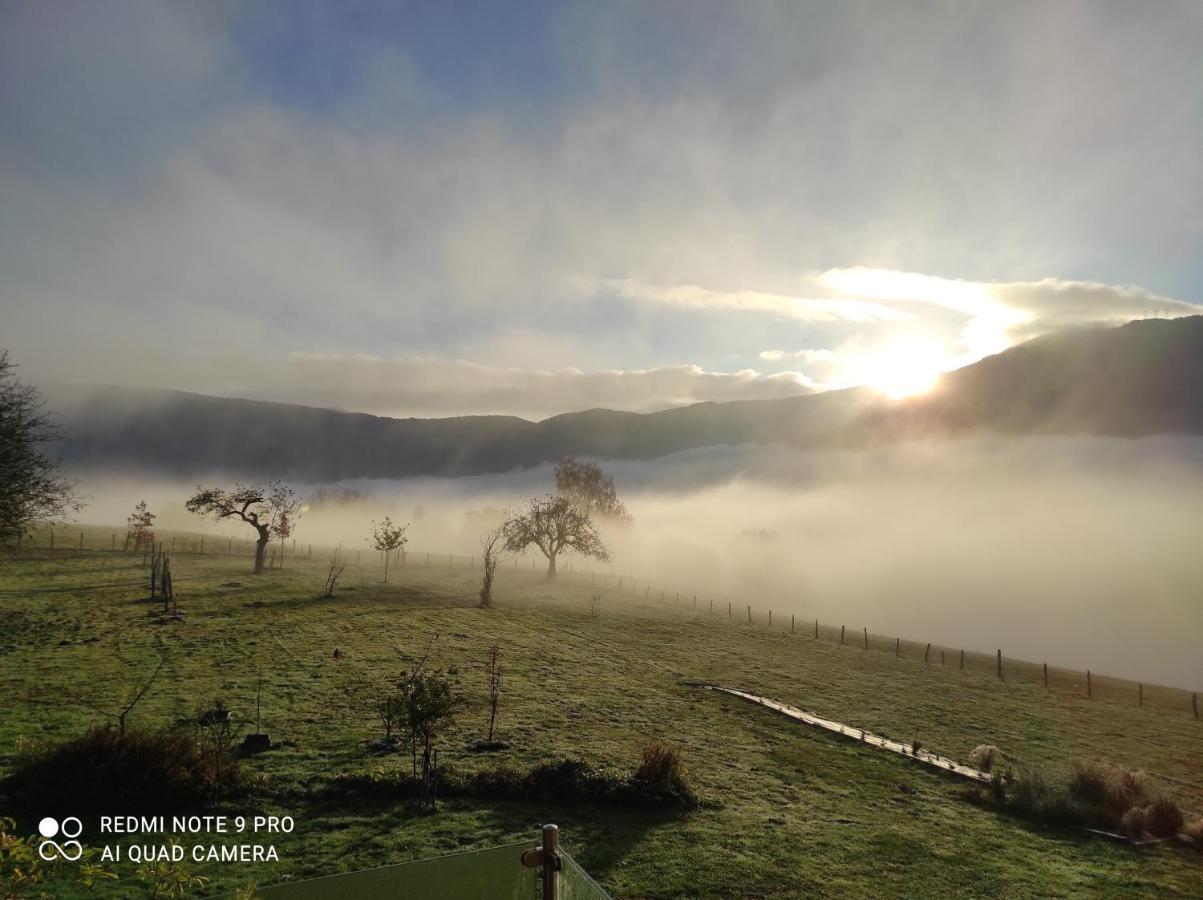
510,872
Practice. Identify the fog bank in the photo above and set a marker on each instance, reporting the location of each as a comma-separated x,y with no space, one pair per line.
1083,551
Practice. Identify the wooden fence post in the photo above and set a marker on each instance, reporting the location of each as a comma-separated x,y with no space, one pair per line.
816,629
677,599
1089,686
749,615
81,540
729,614
229,546
770,618
791,623
712,606
941,659
866,637
842,627
897,648
962,660
695,601
1046,675
1000,674
925,653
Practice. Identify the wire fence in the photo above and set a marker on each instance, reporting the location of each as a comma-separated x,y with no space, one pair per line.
65,542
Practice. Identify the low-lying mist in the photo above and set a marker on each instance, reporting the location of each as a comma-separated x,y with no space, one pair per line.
1083,551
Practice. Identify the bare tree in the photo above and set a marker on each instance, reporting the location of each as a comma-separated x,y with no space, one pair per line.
288,508
256,504
135,696
387,537
31,486
494,686
492,545
591,489
554,523
140,527
333,573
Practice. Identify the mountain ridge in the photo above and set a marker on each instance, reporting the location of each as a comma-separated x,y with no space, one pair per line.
1144,377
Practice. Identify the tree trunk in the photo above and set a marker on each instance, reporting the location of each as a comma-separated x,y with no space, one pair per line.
387,554
261,551
551,568
281,551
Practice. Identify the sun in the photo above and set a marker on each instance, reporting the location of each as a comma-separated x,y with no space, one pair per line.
905,367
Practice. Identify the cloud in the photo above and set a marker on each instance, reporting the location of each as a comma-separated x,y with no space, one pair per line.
986,318
215,192
806,309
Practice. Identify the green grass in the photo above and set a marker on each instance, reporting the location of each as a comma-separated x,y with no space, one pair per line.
786,811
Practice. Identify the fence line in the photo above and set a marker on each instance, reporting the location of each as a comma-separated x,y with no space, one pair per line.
86,539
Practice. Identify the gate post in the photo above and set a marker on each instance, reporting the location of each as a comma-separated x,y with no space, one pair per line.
547,858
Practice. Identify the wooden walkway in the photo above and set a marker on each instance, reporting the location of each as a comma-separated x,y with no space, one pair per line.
857,734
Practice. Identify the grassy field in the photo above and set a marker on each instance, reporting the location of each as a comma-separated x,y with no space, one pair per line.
785,811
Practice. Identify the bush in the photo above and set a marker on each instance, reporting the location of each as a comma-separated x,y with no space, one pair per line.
1060,809
572,779
1135,822
661,776
1028,793
1091,783
1165,818
1094,796
142,771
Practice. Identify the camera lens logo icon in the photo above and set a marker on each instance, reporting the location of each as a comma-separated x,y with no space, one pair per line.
70,850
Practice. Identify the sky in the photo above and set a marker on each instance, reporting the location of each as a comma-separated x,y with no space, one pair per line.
443,208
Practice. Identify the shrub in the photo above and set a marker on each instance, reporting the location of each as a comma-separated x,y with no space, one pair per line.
142,771
1058,808
1028,793
24,872
572,779
998,787
1131,785
1135,822
661,775
1165,818
1090,783
1095,796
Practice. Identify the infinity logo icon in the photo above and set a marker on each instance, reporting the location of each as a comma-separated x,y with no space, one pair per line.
70,850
